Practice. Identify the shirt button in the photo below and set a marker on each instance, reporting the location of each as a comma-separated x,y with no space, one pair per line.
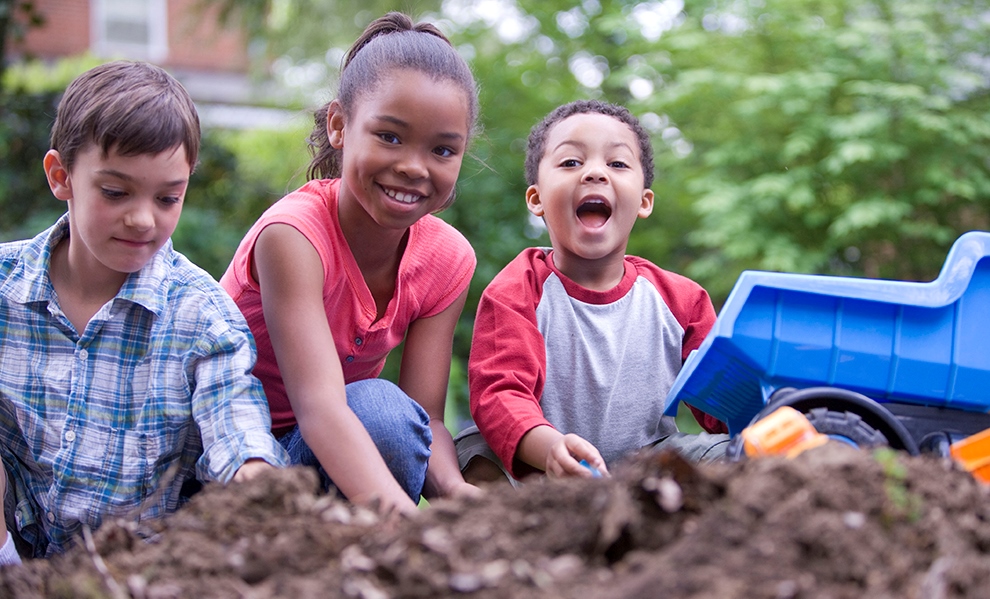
349,359
83,354
51,517
70,436
358,341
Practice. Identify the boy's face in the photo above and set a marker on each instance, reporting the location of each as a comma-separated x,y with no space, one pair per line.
589,189
122,209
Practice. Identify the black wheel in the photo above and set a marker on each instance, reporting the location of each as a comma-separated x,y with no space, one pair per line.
848,427
840,413
938,444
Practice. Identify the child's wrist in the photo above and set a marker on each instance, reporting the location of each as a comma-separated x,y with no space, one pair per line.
8,551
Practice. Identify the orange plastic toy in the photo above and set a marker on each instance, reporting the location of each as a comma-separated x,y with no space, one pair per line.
783,432
973,454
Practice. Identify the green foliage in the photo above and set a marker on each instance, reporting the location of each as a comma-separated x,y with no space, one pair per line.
16,17
28,96
305,29
24,132
830,137
902,502
239,175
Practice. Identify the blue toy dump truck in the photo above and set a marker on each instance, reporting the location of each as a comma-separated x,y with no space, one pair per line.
869,362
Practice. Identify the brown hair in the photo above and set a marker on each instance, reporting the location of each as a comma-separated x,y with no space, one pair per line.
132,107
389,42
536,145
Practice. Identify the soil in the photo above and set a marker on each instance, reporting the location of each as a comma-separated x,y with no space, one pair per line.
832,522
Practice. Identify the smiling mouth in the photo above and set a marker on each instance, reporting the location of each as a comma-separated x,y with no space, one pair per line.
594,213
401,196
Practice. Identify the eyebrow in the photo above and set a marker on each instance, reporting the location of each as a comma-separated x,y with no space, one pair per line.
120,175
453,135
581,145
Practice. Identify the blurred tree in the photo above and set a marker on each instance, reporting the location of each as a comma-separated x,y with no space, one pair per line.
306,29
843,137
16,17
801,135
24,129
29,94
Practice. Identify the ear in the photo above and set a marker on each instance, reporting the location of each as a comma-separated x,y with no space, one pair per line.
646,204
533,201
58,176
335,124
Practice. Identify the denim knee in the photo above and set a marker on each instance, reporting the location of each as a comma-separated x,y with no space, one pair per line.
398,425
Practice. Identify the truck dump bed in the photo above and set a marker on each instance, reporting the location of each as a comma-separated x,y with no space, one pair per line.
924,344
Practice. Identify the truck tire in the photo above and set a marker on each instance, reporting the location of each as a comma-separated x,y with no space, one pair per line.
848,427
846,414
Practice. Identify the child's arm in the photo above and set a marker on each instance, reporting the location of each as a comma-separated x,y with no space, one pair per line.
424,376
290,274
557,454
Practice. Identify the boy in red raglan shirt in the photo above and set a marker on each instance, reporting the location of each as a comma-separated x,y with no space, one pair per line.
576,346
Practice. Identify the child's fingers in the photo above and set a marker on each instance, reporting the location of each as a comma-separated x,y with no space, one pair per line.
560,462
575,457
582,450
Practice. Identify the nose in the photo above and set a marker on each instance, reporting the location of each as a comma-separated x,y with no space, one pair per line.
595,173
140,216
412,165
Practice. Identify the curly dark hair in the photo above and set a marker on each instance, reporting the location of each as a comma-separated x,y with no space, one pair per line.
389,42
536,146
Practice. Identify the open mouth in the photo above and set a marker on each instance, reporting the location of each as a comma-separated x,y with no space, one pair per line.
594,213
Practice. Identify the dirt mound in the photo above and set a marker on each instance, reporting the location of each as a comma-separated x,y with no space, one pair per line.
834,522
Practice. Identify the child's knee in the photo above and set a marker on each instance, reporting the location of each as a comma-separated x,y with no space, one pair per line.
481,470
387,412
477,461
700,447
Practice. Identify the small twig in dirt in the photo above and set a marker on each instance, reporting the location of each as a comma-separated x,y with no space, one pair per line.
115,591
163,484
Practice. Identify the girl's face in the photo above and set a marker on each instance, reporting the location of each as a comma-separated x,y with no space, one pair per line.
402,147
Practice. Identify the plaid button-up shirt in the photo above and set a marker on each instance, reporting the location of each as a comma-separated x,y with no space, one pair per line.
111,420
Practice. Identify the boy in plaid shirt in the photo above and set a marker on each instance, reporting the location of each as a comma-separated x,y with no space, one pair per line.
126,370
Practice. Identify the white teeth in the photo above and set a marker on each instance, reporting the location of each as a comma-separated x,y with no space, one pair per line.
405,198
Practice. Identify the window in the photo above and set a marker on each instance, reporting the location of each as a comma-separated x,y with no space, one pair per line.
130,29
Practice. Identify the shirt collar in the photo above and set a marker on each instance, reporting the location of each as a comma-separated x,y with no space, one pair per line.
29,281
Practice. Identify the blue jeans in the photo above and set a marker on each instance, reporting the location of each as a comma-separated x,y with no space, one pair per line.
398,425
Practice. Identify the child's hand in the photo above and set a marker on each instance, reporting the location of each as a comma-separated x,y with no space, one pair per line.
565,455
465,490
250,469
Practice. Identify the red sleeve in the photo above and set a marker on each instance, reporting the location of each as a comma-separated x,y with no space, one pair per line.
507,365
692,307
694,334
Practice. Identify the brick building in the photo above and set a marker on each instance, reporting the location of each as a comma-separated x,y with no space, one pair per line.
211,60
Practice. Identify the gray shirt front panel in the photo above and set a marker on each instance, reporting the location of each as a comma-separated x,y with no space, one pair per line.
609,366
